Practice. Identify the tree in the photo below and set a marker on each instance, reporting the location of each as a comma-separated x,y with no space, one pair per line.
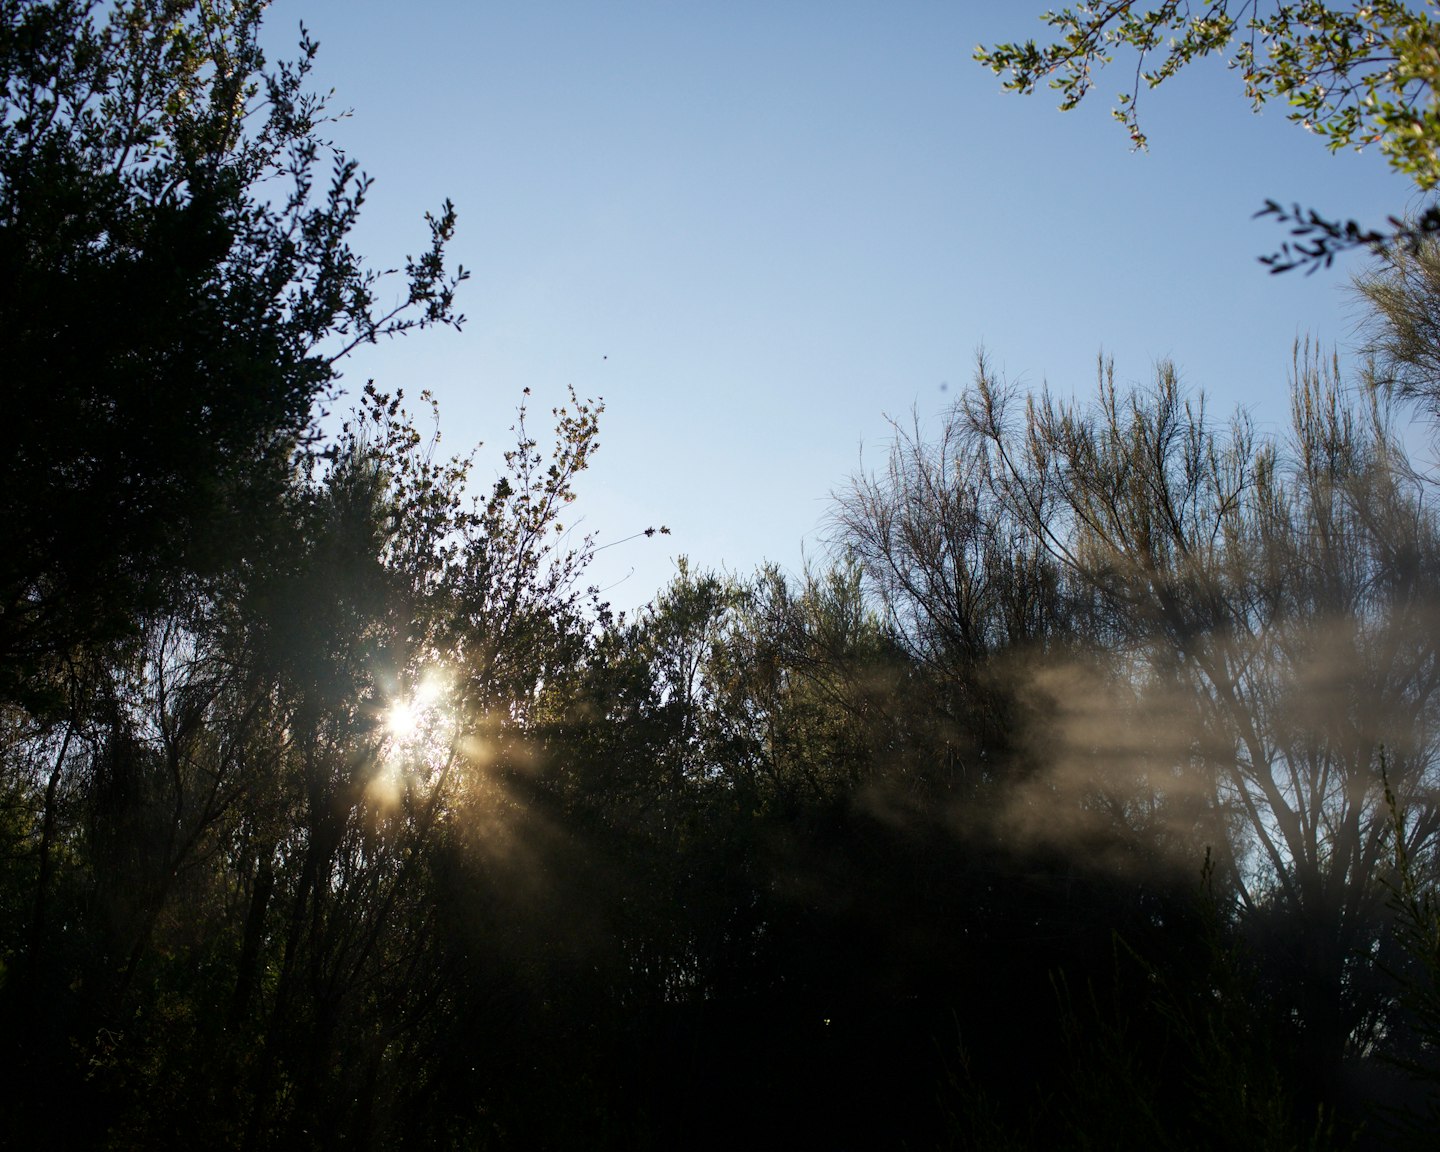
962,584
233,881
1402,328
176,289
1168,639
1356,75
1267,609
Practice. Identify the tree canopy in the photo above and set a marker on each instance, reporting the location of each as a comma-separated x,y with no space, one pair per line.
1085,794
1357,75
176,287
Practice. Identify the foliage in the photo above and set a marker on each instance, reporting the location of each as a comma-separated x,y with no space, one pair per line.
336,810
1354,74
177,289
1414,900
1402,334
240,799
1221,635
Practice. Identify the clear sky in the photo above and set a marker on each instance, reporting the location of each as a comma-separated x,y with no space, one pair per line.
757,229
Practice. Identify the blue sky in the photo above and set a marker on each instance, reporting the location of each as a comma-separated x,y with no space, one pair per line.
757,229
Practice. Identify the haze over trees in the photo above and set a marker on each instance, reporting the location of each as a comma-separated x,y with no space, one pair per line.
1083,797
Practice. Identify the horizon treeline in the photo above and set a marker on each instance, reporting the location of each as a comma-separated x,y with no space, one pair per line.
1084,796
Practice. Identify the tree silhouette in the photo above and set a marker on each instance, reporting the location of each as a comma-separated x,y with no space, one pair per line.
174,290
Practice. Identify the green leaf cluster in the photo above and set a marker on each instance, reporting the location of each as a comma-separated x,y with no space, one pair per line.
1357,75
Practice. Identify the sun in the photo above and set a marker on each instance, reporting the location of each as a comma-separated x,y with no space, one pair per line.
407,716
402,719
418,729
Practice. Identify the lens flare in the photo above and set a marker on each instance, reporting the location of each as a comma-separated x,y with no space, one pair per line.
405,718
402,720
